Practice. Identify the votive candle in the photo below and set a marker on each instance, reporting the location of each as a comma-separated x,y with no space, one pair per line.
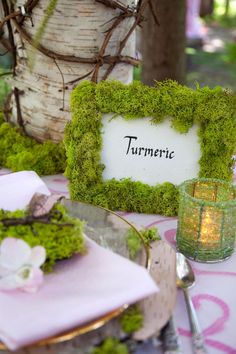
207,219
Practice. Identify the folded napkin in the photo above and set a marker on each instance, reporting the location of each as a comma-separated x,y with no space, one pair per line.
16,189
79,290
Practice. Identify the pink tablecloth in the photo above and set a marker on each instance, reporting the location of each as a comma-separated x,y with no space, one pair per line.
214,294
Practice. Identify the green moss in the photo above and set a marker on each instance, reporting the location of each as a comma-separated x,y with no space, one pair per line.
1,118
134,242
19,152
213,110
48,13
132,319
150,235
59,241
110,346
41,30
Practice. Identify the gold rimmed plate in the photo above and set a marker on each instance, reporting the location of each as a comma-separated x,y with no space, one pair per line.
109,230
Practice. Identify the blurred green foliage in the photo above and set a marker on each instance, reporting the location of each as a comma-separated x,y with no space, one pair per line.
4,87
231,54
211,69
110,346
132,319
220,16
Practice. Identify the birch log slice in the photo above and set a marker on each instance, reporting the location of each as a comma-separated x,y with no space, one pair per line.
76,28
158,308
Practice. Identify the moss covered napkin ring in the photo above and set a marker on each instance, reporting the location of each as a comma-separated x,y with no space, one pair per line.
44,223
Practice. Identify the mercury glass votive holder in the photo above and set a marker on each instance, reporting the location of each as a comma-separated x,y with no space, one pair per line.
207,219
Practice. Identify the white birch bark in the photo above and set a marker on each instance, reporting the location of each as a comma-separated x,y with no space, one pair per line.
77,27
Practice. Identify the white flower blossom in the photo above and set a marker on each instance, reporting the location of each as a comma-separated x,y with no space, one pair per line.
20,265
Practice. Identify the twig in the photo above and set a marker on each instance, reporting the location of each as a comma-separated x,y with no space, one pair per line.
20,120
80,78
6,44
6,107
100,59
71,58
153,13
30,219
118,5
63,85
105,43
113,4
126,12
29,6
11,37
9,17
2,54
141,7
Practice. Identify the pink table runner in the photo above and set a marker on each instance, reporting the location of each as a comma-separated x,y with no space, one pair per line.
214,294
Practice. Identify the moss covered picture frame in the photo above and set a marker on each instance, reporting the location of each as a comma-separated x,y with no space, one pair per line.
212,111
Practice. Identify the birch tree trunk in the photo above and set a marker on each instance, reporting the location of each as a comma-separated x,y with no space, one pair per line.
76,28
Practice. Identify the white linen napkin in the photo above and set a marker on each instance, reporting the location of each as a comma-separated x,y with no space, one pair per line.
16,189
79,290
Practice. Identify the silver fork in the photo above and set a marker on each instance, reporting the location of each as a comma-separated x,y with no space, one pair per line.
170,338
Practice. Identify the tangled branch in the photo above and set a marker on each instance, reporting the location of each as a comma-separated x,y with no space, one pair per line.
30,220
17,19
71,58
